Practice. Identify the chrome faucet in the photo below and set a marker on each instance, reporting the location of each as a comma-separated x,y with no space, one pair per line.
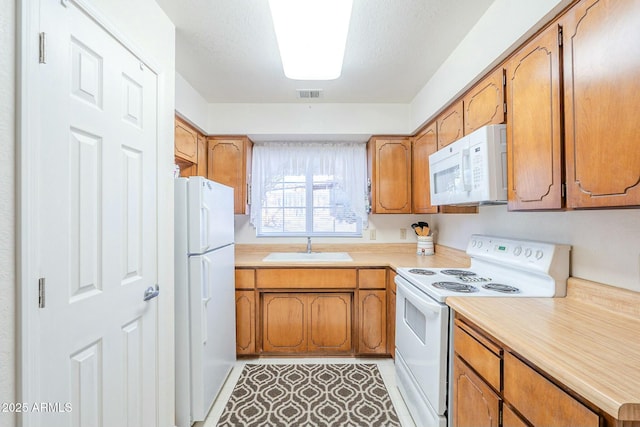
308,245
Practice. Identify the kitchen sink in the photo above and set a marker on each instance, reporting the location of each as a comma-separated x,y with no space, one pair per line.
308,257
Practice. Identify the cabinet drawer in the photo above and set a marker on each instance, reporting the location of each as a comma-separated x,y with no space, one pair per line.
372,278
245,279
306,278
539,400
479,353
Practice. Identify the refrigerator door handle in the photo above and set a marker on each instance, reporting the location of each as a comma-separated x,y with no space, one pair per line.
151,293
204,237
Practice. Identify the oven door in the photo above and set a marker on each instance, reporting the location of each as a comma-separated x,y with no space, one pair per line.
422,327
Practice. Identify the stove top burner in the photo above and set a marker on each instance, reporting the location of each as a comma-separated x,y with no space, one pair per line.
459,273
501,288
473,279
422,271
455,287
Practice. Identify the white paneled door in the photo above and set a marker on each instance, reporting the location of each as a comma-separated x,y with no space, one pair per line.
95,344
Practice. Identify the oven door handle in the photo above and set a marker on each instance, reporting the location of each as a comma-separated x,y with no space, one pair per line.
417,298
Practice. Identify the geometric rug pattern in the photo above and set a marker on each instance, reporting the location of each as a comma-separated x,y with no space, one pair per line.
309,395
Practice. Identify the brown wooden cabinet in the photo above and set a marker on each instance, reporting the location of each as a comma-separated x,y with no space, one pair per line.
534,124
229,163
245,311
422,145
389,160
450,124
306,322
189,149
186,141
490,382
484,103
391,314
245,322
601,67
475,403
372,321
540,401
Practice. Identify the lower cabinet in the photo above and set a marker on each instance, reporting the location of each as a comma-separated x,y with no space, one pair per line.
492,383
245,322
315,311
477,405
372,309
306,322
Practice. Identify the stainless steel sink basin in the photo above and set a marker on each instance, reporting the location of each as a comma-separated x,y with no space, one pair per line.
308,257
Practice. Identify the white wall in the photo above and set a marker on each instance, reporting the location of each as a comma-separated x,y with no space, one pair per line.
190,105
7,208
606,243
322,119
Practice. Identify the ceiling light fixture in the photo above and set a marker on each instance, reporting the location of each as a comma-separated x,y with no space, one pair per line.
312,35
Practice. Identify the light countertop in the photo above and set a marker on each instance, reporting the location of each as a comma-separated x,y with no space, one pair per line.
592,348
365,255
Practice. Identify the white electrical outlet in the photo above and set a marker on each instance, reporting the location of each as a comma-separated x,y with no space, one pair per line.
403,234
372,234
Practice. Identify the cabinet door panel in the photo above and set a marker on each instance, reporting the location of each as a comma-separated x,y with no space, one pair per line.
229,163
284,323
534,139
201,168
423,145
372,322
391,180
329,322
484,104
186,142
602,59
245,322
474,403
450,125
539,400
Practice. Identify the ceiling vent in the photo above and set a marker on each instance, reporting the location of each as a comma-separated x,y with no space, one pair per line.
309,93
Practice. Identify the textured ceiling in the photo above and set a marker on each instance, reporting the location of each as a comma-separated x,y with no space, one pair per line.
226,49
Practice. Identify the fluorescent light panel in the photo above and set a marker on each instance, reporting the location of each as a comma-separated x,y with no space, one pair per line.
312,35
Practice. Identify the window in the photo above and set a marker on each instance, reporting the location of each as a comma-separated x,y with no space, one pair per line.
308,189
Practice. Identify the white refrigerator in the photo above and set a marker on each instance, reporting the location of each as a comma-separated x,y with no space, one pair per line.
205,338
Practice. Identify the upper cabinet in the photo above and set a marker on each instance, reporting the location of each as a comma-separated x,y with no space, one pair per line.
602,87
229,163
389,161
450,125
423,144
534,124
190,149
186,141
484,103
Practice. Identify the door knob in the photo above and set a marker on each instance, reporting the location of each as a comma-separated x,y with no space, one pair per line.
151,293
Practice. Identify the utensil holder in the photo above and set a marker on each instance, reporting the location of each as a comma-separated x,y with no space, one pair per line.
425,245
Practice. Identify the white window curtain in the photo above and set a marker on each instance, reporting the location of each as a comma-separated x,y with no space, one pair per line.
309,188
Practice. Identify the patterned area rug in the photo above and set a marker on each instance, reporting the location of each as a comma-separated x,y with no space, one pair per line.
301,395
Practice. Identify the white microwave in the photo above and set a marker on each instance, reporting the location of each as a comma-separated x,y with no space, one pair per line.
471,170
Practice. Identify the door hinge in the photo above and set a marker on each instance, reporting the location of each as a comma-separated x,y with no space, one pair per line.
41,53
563,189
504,107
559,35
41,283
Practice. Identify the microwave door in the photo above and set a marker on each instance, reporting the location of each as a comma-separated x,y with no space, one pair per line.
450,174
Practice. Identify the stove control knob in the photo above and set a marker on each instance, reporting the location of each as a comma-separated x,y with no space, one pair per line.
479,244
474,243
527,252
539,254
517,251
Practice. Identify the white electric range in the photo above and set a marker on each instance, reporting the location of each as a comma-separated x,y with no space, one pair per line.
500,267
